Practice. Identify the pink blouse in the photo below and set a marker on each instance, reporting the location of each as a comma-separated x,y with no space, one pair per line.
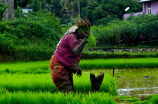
64,53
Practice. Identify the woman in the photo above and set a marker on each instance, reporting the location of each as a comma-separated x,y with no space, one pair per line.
66,58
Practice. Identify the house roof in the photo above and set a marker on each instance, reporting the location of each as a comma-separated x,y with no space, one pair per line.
144,0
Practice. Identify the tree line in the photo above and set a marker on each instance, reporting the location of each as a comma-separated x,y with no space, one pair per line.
97,11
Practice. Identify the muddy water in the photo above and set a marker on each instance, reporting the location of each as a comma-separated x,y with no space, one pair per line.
137,82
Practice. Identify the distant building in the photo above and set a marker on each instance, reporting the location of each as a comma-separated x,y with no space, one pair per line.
149,7
26,10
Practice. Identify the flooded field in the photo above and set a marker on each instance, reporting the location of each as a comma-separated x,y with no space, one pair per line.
136,82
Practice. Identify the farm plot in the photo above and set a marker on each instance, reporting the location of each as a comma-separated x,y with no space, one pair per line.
31,82
43,82
43,66
39,88
55,98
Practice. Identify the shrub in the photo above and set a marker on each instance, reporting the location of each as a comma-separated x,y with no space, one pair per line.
29,39
6,42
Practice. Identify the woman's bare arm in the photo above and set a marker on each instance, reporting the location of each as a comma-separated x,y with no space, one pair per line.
77,50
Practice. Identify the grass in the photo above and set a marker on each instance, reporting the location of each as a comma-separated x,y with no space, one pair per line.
37,86
55,98
43,66
43,82
119,63
26,67
70,98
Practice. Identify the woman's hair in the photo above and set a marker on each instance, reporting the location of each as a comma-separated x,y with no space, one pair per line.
83,24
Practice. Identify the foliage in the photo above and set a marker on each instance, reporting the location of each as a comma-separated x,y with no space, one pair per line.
2,9
90,64
43,82
129,32
39,24
94,10
56,98
6,42
154,99
19,13
108,10
91,41
122,63
29,38
111,55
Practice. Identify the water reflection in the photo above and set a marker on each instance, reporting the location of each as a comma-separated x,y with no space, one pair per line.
138,91
136,82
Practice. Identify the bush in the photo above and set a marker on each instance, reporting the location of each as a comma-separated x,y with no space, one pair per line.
6,42
29,39
127,33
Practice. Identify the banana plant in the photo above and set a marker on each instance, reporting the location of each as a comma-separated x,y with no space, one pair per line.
2,9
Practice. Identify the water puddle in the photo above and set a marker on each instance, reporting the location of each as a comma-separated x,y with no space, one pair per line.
137,82
138,91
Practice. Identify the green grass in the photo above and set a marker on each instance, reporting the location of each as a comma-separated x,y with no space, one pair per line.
26,67
119,63
43,82
43,66
154,99
55,98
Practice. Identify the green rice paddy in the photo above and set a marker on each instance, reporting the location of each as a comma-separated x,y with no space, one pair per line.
31,82
43,66
43,82
55,98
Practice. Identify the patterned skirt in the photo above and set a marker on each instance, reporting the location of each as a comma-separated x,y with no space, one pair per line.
61,76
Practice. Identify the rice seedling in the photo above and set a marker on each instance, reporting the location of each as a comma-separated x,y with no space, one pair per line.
119,63
43,66
55,98
43,82
154,99
25,66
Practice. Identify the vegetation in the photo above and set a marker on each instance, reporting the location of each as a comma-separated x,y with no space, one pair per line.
43,66
43,82
31,87
2,9
97,11
33,36
114,55
132,32
56,98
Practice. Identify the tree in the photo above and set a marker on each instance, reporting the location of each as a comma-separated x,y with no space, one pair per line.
2,9
49,2
9,9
